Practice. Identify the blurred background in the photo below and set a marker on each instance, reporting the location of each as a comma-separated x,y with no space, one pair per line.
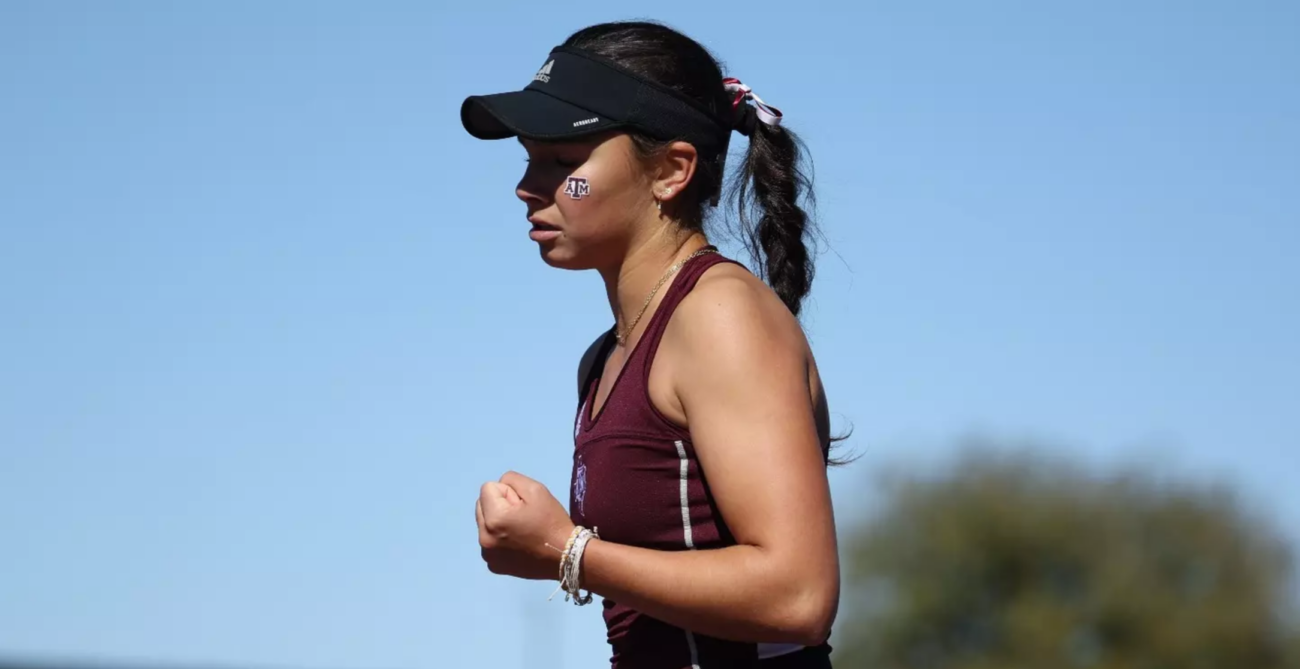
269,317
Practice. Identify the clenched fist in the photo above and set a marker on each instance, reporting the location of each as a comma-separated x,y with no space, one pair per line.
517,518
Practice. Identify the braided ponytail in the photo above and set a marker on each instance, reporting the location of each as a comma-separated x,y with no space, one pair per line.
771,184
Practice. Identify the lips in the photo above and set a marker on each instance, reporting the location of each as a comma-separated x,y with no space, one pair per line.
543,232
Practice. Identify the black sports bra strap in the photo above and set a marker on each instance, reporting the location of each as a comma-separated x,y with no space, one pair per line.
593,362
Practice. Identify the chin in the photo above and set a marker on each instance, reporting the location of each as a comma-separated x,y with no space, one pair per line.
560,257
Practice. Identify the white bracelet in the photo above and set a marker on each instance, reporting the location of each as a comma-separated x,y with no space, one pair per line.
571,566
571,581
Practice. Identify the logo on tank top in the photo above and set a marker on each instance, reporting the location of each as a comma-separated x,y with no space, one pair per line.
577,188
580,486
580,471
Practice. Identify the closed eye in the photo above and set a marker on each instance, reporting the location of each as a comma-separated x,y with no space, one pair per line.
566,164
554,154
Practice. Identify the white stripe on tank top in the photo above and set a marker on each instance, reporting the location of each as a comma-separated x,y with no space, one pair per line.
765,650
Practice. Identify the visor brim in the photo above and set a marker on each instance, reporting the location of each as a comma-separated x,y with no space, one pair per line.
529,114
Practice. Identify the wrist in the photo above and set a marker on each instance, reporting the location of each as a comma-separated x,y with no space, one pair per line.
571,565
559,545
584,568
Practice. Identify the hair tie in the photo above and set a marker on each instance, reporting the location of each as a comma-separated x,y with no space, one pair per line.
746,120
748,117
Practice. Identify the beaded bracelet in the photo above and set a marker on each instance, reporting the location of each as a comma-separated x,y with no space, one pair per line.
573,575
568,548
571,566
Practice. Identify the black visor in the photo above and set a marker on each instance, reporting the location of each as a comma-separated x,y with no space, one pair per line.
577,94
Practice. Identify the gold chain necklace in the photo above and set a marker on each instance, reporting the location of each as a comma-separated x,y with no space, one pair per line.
622,335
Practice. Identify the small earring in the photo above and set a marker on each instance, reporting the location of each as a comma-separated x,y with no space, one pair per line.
659,205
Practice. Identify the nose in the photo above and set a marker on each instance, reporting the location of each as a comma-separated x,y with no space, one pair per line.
532,191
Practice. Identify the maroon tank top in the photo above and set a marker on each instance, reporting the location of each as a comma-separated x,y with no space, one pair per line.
636,479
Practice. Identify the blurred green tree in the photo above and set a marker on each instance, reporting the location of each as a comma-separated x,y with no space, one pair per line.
1008,560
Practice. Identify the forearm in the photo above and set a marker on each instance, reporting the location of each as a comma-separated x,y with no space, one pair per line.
741,593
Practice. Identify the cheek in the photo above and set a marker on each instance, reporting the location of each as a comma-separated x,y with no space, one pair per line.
591,198
575,190
581,198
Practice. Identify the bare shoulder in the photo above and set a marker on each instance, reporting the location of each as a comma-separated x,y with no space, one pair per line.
732,316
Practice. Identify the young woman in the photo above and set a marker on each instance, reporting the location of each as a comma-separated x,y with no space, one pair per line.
699,507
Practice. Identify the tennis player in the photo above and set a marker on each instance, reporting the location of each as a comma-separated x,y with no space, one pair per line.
699,509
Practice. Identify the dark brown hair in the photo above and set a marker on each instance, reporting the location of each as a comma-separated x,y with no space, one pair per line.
770,182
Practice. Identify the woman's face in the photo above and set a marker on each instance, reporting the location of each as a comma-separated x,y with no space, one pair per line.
585,199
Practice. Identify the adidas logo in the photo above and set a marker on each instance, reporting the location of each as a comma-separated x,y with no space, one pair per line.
544,75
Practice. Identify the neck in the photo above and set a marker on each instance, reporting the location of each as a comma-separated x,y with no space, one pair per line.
628,284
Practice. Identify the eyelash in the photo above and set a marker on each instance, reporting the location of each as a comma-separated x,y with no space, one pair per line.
568,165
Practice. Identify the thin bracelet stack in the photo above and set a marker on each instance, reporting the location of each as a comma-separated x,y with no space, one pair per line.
571,566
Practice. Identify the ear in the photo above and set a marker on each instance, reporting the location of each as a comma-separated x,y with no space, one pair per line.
676,167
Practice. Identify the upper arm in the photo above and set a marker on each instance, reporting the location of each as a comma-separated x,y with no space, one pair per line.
743,383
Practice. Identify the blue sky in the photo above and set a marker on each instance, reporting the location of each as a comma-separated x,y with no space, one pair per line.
270,316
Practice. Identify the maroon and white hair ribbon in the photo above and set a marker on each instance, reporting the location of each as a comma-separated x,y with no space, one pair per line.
742,92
